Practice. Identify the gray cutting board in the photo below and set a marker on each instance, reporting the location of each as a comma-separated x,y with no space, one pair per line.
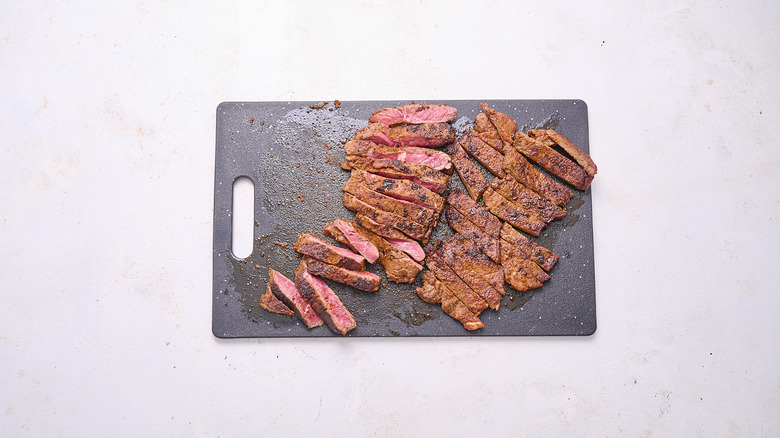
292,154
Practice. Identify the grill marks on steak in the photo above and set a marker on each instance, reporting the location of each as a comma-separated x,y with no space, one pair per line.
467,170
309,244
345,232
542,256
524,172
553,161
434,261
421,215
414,113
475,269
482,218
362,280
579,156
402,189
429,157
324,301
286,291
420,174
417,135
483,152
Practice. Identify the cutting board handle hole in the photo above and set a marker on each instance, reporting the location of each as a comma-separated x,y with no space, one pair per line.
243,217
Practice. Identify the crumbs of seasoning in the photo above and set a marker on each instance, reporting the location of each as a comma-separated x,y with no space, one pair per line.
302,199
283,245
252,121
257,266
319,106
337,103
262,122
329,146
297,164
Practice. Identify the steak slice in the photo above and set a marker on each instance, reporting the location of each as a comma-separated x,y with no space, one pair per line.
310,245
429,157
363,280
428,290
414,113
420,174
451,281
524,172
512,256
393,237
527,199
553,161
490,271
472,266
505,125
483,152
419,135
495,143
287,293
490,246
269,302
324,301
486,128
512,213
542,256
517,277
433,291
467,171
410,228
402,189
399,267
482,218
579,156
345,232
413,212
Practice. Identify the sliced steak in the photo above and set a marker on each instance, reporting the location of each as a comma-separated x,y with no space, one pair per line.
505,125
413,212
429,157
459,222
428,291
528,175
513,256
552,161
393,237
579,156
472,266
451,281
419,135
414,113
486,128
467,170
481,217
402,189
495,143
287,293
345,232
529,200
324,301
483,152
517,277
489,270
362,280
399,267
269,302
512,213
410,228
310,245
420,174
433,291
542,256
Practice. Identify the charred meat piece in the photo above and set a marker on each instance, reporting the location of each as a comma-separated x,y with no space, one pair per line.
402,189
345,232
362,280
287,293
467,171
405,209
428,291
483,152
513,256
512,213
490,270
420,174
459,222
308,244
429,157
482,218
504,124
450,279
527,199
393,237
324,301
472,266
419,135
542,256
528,175
517,277
412,229
414,113
579,156
433,291
399,267
553,161
269,302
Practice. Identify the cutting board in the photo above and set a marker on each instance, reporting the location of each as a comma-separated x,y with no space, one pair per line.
292,151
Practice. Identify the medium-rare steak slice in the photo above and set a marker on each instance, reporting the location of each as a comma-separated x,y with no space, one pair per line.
408,227
284,289
527,199
363,280
579,156
393,237
451,281
402,189
413,212
269,302
472,267
429,157
345,232
505,125
420,135
513,256
467,170
420,174
460,223
310,245
433,291
324,301
552,161
414,113
511,212
524,172
483,152
539,254
399,267
482,218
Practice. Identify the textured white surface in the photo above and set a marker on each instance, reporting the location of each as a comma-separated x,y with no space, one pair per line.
106,170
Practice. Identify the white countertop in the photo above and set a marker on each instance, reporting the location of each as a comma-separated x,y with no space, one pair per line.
106,171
